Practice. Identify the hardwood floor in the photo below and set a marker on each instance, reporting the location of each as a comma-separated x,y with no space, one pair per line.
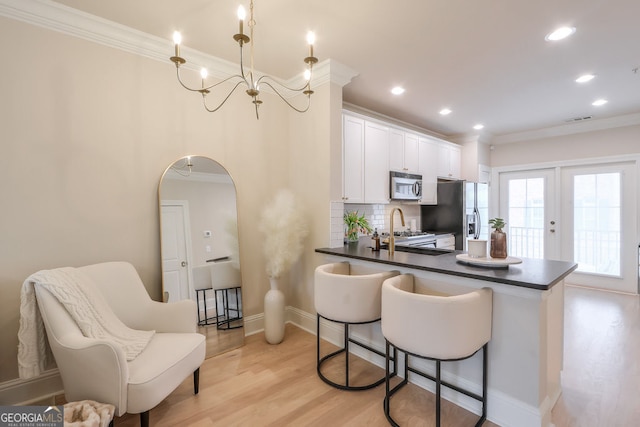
265,385
601,375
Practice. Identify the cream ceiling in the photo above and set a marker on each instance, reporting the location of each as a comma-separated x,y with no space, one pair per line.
486,60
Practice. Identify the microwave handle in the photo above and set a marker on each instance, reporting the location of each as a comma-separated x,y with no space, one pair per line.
416,188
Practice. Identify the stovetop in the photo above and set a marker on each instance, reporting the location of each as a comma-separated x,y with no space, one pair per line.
411,235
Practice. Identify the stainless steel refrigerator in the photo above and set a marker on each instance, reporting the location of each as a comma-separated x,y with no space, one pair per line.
462,209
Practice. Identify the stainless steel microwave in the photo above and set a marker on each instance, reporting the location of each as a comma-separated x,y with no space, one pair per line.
405,186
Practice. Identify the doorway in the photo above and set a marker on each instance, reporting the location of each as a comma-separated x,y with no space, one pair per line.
599,211
175,250
527,204
584,213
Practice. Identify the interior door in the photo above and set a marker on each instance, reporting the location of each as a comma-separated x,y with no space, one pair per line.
175,274
527,204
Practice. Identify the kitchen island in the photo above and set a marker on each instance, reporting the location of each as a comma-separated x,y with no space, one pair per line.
526,348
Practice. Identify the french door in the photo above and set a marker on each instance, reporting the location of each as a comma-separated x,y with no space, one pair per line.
527,204
595,224
599,210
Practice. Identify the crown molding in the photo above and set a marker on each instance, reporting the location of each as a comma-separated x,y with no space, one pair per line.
569,129
67,20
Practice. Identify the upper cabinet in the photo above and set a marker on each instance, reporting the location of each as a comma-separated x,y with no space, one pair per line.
403,151
371,149
376,163
449,160
352,159
428,157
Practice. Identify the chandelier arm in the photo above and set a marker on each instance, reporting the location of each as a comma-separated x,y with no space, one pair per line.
287,102
179,172
306,86
205,88
179,169
222,81
213,110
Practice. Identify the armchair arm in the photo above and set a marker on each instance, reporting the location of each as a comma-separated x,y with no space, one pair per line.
92,369
180,316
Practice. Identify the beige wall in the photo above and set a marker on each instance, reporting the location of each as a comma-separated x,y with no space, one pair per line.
603,143
87,132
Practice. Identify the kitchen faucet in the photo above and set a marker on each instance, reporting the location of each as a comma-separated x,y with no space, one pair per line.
392,239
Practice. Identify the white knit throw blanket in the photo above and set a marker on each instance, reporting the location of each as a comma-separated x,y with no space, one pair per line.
87,307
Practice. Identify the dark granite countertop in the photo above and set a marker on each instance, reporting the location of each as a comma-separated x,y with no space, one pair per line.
531,273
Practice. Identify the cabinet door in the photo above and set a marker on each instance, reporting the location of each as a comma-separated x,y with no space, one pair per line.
403,151
396,149
428,158
411,153
376,163
449,159
455,161
352,159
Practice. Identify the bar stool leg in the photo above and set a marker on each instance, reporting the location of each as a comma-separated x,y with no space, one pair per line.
346,355
437,393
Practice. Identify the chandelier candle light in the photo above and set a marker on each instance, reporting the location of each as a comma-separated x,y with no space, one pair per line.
250,80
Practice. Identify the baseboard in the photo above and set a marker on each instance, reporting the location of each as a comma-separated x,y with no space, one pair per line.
33,391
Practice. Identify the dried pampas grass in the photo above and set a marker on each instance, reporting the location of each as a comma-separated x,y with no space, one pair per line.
284,226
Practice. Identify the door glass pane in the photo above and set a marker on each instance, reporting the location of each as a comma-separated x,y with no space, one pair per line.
596,223
525,229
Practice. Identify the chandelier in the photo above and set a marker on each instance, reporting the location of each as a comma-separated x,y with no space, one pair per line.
249,79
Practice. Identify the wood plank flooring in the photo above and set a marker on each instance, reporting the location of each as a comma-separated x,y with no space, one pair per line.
265,385
601,375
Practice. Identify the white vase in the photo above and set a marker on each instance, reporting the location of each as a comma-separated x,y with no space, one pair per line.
274,313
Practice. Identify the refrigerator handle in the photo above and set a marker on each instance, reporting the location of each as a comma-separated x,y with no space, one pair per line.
476,213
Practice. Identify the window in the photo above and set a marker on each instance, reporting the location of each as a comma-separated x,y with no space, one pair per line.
526,217
596,223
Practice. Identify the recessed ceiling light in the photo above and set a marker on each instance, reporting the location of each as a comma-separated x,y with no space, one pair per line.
397,90
478,126
585,78
445,111
599,102
560,33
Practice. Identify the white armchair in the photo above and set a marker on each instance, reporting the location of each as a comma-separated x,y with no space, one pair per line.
98,369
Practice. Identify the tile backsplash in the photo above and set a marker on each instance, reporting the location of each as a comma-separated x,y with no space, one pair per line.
378,215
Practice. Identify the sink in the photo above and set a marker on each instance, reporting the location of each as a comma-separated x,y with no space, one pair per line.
421,251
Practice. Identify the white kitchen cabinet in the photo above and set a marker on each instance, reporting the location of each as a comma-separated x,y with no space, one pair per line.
449,160
428,157
376,163
352,159
403,151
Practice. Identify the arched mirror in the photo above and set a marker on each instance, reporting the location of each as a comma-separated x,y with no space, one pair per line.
199,245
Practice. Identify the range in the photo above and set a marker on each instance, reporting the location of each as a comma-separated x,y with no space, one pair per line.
421,242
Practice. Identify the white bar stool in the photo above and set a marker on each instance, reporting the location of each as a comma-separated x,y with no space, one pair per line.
342,296
440,328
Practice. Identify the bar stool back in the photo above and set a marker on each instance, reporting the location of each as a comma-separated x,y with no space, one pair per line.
435,327
224,279
344,297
